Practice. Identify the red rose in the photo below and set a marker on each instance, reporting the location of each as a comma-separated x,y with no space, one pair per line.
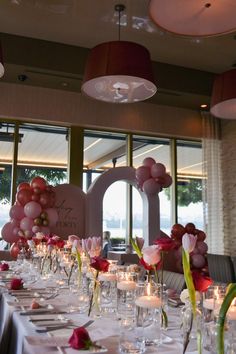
16,284
60,243
4,266
80,339
165,244
36,241
51,242
100,264
200,281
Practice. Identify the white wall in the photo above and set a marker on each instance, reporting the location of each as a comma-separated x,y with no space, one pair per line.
37,104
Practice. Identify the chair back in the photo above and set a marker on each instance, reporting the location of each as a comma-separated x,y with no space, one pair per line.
174,281
221,268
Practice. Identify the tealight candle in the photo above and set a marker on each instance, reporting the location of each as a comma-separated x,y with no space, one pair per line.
107,277
148,302
126,285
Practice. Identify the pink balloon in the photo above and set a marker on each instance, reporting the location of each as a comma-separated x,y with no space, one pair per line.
44,199
17,212
16,231
7,233
32,209
26,224
151,186
143,173
158,170
148,161
45,230
52,216
202,247
15,223
198,261
38,182
24,196
36,229
35,197
23,185
167,181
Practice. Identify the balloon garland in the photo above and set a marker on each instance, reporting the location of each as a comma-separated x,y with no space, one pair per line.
198,258
152,177
34,211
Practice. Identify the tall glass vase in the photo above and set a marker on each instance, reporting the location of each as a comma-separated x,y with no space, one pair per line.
191,328
94,302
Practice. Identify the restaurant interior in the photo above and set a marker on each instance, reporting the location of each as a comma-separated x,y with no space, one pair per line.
117,176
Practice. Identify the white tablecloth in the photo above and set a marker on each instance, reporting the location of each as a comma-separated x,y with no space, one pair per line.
16,330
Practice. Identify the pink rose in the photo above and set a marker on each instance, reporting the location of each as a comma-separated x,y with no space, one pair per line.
16,284
189,242
151,255
4,267
80,339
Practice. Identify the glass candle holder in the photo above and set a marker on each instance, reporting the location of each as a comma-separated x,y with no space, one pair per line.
126,286
148,311
108,296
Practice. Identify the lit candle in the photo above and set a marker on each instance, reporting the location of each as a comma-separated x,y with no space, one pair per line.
126,285
107,277
148,302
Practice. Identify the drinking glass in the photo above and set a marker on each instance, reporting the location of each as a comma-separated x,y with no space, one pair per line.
131,337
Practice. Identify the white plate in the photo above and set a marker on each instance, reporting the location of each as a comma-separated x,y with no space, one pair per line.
59,342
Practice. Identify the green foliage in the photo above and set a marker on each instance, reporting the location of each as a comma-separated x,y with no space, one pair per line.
188,192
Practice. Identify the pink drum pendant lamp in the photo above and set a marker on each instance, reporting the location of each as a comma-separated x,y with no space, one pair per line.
223,100
119,71
194,17
1,63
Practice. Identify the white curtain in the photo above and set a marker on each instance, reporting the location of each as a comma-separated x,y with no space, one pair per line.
212,184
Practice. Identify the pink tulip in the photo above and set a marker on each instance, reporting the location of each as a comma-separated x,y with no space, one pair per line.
189,242
72,238
151,255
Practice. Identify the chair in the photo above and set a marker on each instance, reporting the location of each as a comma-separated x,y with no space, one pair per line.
174,281
234,264
221,268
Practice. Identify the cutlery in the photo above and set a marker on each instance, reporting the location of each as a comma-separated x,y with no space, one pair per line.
69,326
44,311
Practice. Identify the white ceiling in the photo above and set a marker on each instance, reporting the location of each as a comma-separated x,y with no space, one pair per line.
87,23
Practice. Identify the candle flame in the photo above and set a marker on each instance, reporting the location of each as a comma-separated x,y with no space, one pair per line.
149,289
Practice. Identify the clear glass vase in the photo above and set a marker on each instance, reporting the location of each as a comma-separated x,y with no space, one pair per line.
191,327
94,299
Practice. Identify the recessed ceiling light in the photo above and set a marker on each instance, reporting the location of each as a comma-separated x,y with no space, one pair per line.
203,105
64,84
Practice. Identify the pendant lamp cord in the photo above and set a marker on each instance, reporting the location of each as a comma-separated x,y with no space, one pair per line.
119,8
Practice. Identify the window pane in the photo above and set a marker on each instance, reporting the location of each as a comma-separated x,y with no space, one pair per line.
159,150
6,157
42,152
189,183
102,151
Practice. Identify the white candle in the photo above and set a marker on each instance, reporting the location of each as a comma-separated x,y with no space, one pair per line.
107,277
148,302
126,285
208,304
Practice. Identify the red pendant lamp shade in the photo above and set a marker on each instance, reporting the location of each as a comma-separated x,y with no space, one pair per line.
194,17
1,63
119,72
223,100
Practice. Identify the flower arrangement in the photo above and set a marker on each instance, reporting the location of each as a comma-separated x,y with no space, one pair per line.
100,265
195,281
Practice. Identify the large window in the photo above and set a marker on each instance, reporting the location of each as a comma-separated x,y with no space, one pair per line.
189,183
159,150
43,150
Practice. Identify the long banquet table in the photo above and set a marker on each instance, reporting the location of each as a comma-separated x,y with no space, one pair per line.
18,334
